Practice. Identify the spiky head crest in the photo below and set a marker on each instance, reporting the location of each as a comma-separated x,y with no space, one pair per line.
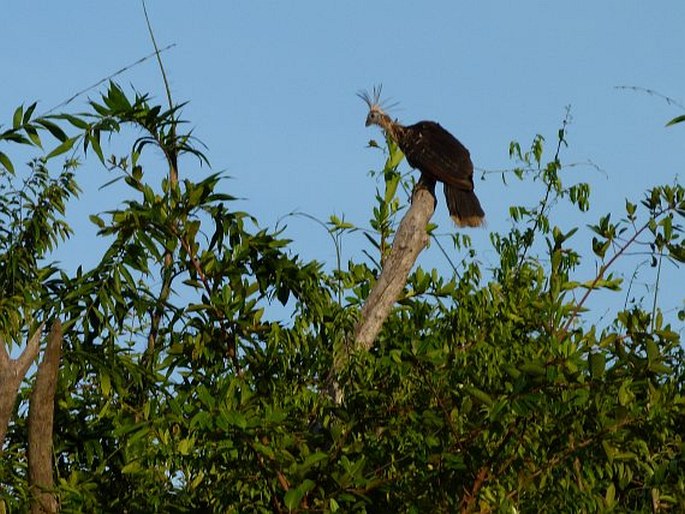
377,107
373,98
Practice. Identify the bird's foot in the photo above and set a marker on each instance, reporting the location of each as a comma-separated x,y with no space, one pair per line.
426,184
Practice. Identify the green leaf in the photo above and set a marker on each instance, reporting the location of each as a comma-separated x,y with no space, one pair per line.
62,148
677,119
630,209
17,118
652,351
27,115
479,395
110,182
391,187
293,498
185,446
395,157
625,395
105,385
74,120
312,460
534,368
600,247
511,371
597,363
53,128
132,468
116,98
93,138
33,135
97,220
659,367
235,418
5,161
609,497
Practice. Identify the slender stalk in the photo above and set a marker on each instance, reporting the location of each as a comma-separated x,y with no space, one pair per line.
159,59
543,205
656,289
171,152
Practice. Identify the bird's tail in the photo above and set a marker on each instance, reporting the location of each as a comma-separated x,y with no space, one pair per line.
464,207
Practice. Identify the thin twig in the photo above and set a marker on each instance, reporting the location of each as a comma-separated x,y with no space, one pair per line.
669,100
602,270
656,291
109,77
531,169
544,204
445,254
170,150
334,237
159,59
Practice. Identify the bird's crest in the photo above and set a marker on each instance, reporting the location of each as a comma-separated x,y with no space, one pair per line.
373,99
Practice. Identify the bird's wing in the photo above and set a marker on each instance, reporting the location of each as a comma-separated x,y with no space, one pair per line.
431,149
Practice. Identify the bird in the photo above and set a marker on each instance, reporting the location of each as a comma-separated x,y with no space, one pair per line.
437,154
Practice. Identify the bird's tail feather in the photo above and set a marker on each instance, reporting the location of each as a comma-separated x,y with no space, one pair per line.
464,207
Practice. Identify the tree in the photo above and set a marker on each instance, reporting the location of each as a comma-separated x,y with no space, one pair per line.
179,390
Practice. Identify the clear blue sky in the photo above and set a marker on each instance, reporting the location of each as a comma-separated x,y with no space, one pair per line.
272,89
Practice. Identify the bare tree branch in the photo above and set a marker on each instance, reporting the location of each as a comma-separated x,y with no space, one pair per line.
40,426
410,239
12,372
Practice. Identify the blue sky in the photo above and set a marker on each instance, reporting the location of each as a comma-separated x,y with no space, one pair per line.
272,86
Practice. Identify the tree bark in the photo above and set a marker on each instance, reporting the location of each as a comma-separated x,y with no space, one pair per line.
40,426
410,239
12,372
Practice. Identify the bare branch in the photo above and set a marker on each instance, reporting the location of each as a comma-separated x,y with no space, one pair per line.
410,239
40,426
12,372
30,353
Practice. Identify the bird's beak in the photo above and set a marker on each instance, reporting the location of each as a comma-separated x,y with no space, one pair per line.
368,121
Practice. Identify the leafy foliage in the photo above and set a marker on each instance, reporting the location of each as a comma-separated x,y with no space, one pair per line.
181,390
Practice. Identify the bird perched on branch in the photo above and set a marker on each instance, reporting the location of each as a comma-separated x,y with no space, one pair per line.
437,154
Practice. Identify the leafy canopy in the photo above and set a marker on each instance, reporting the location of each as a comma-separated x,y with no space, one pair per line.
180,390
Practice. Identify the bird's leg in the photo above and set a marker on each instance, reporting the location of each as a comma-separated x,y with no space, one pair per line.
426,183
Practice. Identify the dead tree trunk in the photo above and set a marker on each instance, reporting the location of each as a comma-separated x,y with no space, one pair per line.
411,237
12,372
40,425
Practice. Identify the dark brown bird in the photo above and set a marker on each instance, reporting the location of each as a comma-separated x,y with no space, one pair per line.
438,155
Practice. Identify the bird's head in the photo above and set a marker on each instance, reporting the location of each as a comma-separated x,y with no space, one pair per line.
376,115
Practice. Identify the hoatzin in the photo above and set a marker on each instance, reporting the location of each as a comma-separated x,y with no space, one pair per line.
437,154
